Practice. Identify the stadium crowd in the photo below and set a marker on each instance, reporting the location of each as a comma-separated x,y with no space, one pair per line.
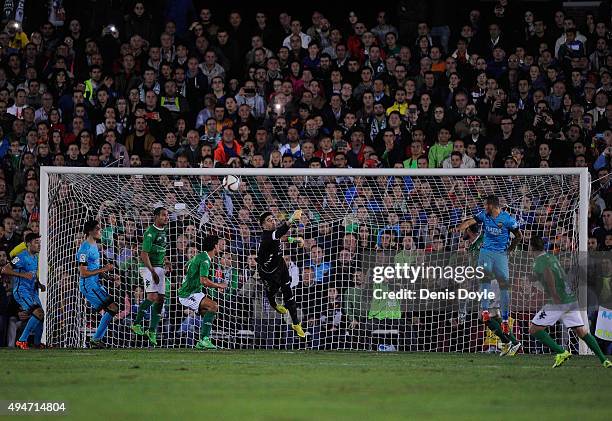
419,85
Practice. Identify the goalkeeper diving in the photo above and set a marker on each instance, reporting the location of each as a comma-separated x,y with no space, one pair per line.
272,268
493,258
561,304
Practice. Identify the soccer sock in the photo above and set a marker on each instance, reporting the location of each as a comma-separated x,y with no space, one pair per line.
496,328
142,308
290,304
101,331
155,316
512,337
38,333
271,299
32,324
544,337
592,343
504,302
485,301
206,327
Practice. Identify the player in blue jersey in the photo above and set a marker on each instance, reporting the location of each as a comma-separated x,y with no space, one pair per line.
24,268
88,258
493,258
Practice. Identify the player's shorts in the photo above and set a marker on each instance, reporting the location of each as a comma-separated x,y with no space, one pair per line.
276,279
95,294
27,299
496,263
569,314
150,285
193,301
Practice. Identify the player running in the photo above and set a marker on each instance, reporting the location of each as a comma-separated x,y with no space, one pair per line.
152,255
493,258
191,295
273,269
88,257
24,268
561,304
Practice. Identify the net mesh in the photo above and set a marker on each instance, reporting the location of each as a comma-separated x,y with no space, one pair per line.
350,225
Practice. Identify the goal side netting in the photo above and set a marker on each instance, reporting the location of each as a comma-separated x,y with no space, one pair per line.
353,224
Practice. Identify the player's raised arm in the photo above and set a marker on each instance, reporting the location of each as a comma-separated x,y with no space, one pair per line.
298,240
297,215
266,220
280,231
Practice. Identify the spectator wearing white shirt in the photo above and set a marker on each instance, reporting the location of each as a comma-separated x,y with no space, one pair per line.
42,113
296,29
293,146
466,161
567,24
211,68
20,103
256,44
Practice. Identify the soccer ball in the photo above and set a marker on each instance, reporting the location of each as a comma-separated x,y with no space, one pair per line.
231,183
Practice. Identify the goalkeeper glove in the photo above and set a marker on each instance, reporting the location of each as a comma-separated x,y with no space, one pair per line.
296,216
298,240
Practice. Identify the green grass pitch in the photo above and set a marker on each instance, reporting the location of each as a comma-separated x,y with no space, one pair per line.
277,385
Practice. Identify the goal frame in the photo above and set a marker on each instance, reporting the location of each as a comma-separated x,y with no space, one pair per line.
45,172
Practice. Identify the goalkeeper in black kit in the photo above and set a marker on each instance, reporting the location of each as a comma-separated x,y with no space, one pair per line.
272,267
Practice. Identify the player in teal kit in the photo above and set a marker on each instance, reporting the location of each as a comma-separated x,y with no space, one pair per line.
493,258
88,258
24,268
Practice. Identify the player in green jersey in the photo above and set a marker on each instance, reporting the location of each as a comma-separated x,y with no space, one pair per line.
192,295
561,304
151,269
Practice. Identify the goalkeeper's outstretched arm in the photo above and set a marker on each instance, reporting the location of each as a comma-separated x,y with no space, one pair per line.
298,240
297,215
285,226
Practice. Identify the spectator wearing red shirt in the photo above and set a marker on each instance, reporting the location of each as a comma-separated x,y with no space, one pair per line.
326,152
355,155
354,44
227,148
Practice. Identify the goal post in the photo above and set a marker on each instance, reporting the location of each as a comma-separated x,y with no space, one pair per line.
356,221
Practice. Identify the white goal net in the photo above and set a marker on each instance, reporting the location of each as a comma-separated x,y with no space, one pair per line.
354,221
